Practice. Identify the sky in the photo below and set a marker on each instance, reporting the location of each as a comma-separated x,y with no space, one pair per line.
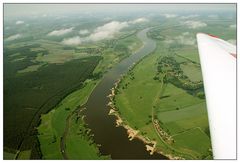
11,10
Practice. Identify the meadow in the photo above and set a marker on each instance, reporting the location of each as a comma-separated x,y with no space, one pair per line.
29,94
40,71
144,95
47,82
65,121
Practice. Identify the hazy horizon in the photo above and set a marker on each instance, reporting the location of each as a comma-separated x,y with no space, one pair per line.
18,10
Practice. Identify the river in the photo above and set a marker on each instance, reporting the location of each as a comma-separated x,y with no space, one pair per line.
114,140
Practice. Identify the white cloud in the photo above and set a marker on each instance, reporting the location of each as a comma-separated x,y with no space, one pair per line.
72,41
233,26
107,31
170,15
138,20
83,32
13,37
60,32
61,17
183,39
19,22
194,24
189,16
213,16
234,42
107,19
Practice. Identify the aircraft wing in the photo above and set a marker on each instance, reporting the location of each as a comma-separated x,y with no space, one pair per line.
218,62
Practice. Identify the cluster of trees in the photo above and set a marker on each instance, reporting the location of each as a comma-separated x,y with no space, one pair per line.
174,74
29,95
155,34
89,50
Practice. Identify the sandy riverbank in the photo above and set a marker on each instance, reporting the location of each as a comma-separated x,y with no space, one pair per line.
132,133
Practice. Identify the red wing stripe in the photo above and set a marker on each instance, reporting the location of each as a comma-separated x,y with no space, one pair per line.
234,55
213,36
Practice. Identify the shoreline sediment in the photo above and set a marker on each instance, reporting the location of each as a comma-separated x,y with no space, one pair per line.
132,133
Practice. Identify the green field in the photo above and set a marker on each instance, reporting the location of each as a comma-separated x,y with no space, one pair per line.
192,71
134,104
9,156
78,145
39,74
189,53
53,126
24,155
181,115
117,50
179,106
50,69
29,94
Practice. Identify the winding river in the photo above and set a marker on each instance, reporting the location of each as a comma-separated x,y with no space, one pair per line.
114,140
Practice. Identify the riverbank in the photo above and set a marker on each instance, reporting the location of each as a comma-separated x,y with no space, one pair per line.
64,130
159,111
133,133
55,124
102,125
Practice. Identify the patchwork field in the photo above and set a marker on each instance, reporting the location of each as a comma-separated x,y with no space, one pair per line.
53,60
45,71
192,71
9,156
62,122
142,98
28,94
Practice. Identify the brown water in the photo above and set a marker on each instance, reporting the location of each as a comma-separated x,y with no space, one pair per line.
114,140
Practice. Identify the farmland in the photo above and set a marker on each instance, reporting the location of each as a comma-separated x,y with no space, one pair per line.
162,97
30,94
38,75
59,66
170,107
175,110
66,121
76,135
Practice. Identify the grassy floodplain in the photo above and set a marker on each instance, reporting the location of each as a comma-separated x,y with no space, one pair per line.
164,106
28,94
40,72
54,56
66,119
54,125
162,97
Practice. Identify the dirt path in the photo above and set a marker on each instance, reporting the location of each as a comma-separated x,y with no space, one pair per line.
156,126
65,133
63,138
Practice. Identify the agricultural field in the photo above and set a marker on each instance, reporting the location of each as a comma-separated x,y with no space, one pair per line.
9,156
34,93
54,59
117,50
39,72
177,111
66,122
78,133
162,97
170,107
